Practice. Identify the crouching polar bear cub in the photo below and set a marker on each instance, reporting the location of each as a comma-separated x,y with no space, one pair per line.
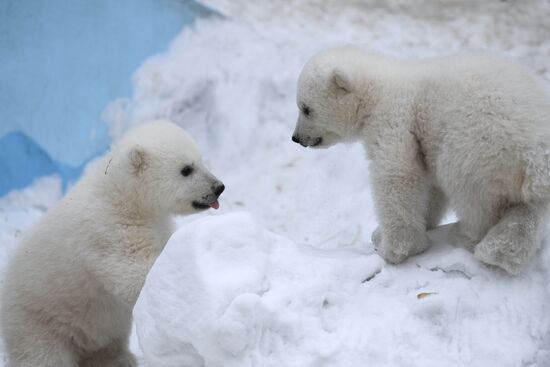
71,286
471,132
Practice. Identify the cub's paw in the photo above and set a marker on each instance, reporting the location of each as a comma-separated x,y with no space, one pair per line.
507,254
398,245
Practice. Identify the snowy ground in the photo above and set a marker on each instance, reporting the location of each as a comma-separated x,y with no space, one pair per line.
284,273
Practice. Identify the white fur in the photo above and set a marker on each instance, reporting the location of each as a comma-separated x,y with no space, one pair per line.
470,132
71,286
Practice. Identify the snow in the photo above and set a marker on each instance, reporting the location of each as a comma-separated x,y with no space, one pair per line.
284,274
227,292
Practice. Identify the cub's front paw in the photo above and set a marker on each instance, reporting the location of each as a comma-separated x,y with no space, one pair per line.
397,245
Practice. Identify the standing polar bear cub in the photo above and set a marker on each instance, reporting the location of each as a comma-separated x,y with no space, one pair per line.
71,286
469,132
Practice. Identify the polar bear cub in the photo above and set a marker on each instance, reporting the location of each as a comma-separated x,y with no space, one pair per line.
467,132
72,284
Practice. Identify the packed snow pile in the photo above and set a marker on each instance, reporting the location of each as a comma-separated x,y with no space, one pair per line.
226,292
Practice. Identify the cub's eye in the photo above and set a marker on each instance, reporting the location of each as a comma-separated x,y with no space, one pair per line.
306,110
186,171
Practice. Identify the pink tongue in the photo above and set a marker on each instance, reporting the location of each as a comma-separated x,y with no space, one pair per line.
215,204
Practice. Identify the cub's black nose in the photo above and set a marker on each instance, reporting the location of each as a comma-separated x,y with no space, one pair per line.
295,139
218,188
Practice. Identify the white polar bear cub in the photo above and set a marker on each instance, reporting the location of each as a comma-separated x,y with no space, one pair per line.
469,131
71,286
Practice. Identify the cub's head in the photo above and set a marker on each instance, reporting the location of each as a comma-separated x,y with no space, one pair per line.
330,98
158,165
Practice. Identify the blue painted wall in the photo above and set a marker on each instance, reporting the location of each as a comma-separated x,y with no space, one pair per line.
62,62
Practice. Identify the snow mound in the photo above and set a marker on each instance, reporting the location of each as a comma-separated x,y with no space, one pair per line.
227,292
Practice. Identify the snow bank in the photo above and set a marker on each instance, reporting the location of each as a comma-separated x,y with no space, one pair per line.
226,292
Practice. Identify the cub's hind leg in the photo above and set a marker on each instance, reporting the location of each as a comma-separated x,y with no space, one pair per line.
512,242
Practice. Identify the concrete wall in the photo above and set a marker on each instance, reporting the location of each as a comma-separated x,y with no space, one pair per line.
62,62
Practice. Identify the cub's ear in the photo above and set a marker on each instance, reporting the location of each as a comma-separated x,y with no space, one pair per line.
137,158
342,80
